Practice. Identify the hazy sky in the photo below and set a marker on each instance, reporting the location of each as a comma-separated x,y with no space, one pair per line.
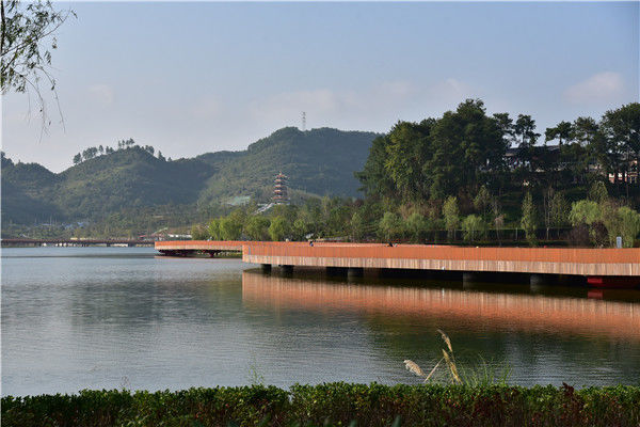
190,78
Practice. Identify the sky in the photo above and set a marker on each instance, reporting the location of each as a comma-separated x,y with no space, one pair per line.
191,78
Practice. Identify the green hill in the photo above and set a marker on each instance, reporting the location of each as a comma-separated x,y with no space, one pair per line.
318,162
100,186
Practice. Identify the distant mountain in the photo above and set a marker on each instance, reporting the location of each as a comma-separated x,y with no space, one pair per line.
97,187
318,162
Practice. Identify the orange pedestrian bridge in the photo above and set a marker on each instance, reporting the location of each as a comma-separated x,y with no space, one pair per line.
606,267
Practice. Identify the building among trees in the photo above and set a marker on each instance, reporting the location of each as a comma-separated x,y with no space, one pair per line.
280,191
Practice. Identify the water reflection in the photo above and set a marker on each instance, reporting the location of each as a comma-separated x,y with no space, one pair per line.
545,339
497,311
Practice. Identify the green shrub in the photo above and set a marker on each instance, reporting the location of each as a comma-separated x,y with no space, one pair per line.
333,404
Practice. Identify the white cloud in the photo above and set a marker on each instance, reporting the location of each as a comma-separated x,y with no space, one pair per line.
102,94
603,87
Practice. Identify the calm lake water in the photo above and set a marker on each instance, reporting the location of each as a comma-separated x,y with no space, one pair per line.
75,318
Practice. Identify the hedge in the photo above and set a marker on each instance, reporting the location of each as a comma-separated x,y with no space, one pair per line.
334,404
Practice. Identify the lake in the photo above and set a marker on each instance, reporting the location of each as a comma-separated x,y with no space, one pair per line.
76,318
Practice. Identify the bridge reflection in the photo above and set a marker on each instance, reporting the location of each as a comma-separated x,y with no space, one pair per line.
498,311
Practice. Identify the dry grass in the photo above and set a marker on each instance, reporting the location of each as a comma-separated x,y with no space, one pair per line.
481,375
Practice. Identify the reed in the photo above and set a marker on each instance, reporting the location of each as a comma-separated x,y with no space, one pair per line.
481,374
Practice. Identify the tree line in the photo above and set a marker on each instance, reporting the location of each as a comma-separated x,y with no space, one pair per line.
594,221
470,177
100,150
465,149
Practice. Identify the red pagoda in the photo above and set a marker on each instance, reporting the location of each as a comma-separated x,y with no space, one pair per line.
280,193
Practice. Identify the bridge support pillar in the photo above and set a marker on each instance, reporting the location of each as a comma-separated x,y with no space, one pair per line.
266,268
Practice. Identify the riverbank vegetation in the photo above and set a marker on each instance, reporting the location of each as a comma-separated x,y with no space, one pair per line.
468,177
333,404
595,221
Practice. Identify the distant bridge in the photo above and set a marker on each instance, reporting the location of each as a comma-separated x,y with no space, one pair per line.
601,267
75,242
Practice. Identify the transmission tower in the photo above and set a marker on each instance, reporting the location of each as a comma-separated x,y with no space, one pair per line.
304,121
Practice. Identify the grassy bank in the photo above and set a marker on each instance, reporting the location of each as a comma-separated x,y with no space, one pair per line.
333,404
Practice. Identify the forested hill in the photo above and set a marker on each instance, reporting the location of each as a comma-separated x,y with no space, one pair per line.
319,161
106,182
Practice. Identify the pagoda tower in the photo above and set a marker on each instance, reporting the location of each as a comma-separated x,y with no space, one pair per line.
280,192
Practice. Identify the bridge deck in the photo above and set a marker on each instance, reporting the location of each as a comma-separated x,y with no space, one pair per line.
566,261
200,245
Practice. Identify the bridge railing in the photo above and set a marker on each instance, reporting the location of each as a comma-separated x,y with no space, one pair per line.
545,255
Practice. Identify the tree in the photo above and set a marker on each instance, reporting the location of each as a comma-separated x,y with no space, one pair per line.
525,129
622,128
598,193
77,159
417,227
198,232
585,212
505,124
89,153
357,226
562,132
559,210
5,161
629,225
279,228
465,146
374,178
390,226
300,229
26,41
407,147
451,215
257,227
482,201
529,220
231,227
473,228
547,196
497,217
214,229
610,220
